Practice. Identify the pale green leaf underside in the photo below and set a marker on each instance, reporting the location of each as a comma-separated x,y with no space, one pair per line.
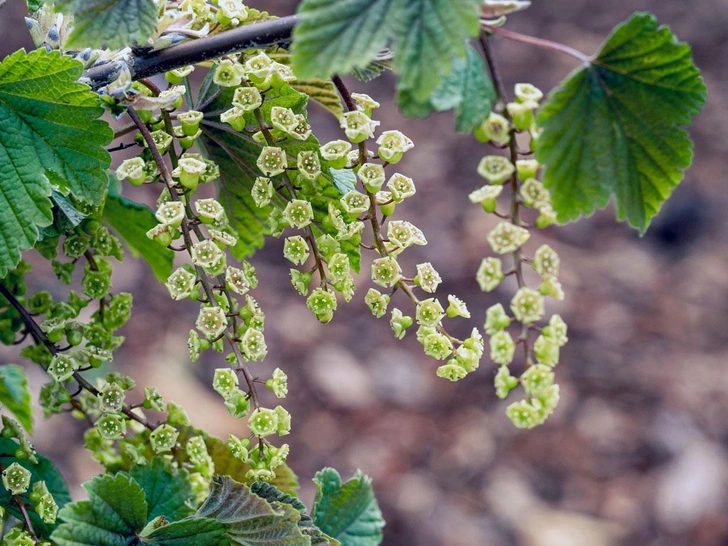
347,512
14,394
111,23
338,36
49,132
614,128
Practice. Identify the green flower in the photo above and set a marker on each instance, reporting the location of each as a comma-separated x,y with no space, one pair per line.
496,169
429,312
399,323
16,479
163,438
322,304
111,426
527,305
377,302
278,383
504,382
502,348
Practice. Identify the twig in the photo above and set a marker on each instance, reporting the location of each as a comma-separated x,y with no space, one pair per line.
538,42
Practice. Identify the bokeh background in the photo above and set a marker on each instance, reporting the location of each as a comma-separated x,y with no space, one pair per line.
637,452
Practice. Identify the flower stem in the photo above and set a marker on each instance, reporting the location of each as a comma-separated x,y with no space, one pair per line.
538,42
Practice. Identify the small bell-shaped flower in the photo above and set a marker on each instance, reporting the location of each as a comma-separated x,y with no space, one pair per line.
263,422
162,141
302,129
546,216
339,267
486,196
377,302
236,280
401,187
393,145
163,438
468,358
283,119
223,239
111,426
300,281
253,345
490,274
231,12
523,414
429,312
502,348
427,277
536,379
355,202
527,168
309,165
212,322
278,383
16,479
365,103
437,346
496,169
272,161
534,194
527,305
295,249
522,113
551,287
298,213
189,171
358,126
284,421
372,176
335,152
262,191
224,381
238,447
228,74
112,397
452,371
62,367
496,319
506,238
457,307
504,382
546,351
546,261
260,70
237,403
132,169
153,399
247,98
176,76
190,121
322,304
556,330
386,271
210,211
171,213
235,117
494,129
399,323
527,92
206,254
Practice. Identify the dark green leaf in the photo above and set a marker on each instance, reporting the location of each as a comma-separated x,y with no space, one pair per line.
614,127
190,532
111,23
14,394
44,470
131,221
114,514
167,490
348,512
49,134
249,519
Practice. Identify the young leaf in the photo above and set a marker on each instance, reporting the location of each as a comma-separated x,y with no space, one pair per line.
131,221
614,127
114,514
249,519
468,90
197,532
114,24
167,490
348,512
44,470
14,394
50,135
336,37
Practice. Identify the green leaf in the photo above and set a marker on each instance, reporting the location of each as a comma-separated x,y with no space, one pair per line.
197,532
44,470
468,90
14,394
249,519
348,512
614,127
336,37
131,221
115,512
344,180
109,23
167,490
50,136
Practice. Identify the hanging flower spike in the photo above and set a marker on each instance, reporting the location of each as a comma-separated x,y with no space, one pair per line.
358,126
496,169
393,145
506,238
527,305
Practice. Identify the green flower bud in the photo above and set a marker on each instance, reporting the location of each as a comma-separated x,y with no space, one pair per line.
163,438
502,348
546,351
111,426
551,287
228,74
212,322
377,302
496,129
534,194
372,176
206,254
322,304
153,399
300,281
176,76
527,305
536,379
335,153
437,346
399,323
16,479
522,113
283,119
235,117
527,92
358,126
132,169
401,187
504,382
298,213
238,447
427,277
457,307
496,169
355,202
523,415
506,238
238,403
278,383
429,312
263,422
54,328
452,371
392,145
496,319
556,330
112,397
527,168
247,98
62,367
262,191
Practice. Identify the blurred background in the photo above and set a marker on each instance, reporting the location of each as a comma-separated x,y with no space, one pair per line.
636,453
